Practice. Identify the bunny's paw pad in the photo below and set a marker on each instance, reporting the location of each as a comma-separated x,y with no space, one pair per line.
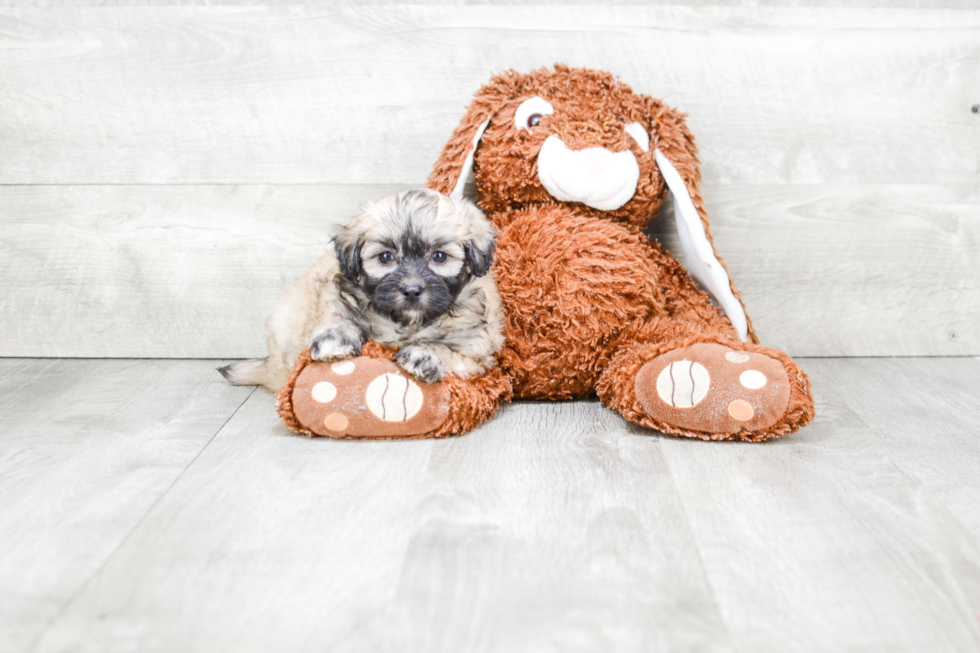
367,398
713,388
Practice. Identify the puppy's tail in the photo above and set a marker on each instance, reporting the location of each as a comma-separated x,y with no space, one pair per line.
256,371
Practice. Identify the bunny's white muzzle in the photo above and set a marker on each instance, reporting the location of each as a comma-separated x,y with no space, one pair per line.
594,176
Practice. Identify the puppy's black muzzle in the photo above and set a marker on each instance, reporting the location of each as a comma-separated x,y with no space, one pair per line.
412,294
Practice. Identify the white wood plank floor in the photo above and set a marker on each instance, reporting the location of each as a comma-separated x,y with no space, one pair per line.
147,506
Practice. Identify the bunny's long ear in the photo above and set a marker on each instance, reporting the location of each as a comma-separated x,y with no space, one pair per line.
676,155
456,161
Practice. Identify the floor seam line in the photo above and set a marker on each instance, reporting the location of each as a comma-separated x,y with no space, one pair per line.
697,548
71,601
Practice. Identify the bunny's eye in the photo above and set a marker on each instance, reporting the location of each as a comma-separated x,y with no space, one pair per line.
531,111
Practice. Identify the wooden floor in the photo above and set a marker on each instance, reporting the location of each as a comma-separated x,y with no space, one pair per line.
148,506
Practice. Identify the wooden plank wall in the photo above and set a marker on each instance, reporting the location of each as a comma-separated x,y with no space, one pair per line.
166,170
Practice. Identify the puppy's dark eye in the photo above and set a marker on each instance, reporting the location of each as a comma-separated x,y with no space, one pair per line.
534,120
439,257
385,258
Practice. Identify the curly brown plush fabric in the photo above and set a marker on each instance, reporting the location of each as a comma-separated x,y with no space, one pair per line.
592,305
284,396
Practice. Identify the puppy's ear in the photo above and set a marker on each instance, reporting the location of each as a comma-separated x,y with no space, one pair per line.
480,258
481,237
347,245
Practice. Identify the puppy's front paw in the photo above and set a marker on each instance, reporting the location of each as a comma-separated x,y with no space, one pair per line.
421,363
336,343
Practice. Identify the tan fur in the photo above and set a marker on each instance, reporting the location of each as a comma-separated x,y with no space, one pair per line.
465,339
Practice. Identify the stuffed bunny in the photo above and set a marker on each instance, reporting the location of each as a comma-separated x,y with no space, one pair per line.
570,165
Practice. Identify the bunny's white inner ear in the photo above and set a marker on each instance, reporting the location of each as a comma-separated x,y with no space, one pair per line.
467,168
698,253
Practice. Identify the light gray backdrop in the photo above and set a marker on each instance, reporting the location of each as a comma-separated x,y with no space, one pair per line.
166,170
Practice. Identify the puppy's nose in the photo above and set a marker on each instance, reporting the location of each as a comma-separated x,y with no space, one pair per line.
412,291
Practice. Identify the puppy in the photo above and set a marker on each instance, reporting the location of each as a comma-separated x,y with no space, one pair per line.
411,271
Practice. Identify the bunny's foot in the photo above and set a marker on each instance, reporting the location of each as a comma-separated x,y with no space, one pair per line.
709,390
370,397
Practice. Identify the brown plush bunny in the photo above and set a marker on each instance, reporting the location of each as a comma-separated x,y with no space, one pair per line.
570,166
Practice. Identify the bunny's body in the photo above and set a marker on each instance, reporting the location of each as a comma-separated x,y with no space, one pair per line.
578,289
570,165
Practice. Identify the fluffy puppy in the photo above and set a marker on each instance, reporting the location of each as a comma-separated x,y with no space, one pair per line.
411,271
